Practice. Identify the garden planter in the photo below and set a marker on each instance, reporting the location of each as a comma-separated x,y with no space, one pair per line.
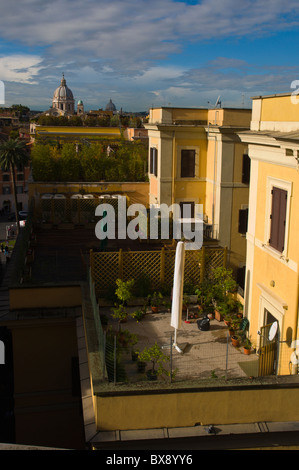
235,341
151,374
247,351
155,309
218,315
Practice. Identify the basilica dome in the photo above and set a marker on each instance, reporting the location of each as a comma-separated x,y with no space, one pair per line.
110,106
63,98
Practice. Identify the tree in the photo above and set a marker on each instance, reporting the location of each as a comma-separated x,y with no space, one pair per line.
13,154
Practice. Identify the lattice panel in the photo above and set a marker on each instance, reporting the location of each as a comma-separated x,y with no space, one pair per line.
105,270
87,209
107,267
214,258
138,263
169,267
193,260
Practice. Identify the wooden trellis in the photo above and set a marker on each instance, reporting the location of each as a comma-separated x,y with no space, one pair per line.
158,266
76,211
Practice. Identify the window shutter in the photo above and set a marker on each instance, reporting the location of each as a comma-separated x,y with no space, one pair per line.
246,169
187,163
243,221
151,160
155,161
278,218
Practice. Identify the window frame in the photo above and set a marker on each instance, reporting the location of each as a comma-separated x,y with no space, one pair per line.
179,162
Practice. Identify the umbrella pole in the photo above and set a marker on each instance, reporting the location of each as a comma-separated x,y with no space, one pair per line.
175,343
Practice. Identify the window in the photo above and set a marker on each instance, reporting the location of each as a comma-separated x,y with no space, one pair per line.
6,189
278,218
20,177
187,210
243,221
187,163
246,169
153,161
5,177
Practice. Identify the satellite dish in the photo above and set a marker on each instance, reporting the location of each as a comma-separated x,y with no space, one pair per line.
273,331
218,102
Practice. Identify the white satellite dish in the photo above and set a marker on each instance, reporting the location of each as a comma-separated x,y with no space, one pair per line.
218,102
273,331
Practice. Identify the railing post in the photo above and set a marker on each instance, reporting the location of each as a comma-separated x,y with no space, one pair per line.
225,257
91,261
120,263
162,266
203,264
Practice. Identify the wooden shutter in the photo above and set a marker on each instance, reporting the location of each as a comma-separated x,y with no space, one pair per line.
155,162
187,163
243,221
246,169
151,160
278,218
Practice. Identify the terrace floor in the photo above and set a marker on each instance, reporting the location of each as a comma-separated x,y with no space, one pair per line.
205,354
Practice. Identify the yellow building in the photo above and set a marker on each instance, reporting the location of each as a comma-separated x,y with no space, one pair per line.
73,133
196,157
271,294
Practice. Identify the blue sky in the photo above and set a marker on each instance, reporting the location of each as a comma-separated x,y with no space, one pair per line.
142,54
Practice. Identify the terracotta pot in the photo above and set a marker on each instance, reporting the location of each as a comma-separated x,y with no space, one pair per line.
155,309
235,341
247,351
218,316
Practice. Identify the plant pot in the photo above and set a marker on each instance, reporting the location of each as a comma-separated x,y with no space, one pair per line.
235,341
218,315
141,366
247,351
155,309
151,374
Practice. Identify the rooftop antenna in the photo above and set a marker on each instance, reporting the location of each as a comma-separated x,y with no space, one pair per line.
218,102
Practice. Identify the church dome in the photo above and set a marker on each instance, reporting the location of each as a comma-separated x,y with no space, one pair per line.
110,106
63,99
63,92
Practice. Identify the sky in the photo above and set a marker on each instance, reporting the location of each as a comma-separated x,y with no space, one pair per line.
144,54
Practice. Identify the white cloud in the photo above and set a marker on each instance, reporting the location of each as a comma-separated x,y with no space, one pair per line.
20,68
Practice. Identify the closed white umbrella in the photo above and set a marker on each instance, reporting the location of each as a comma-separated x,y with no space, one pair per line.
177,294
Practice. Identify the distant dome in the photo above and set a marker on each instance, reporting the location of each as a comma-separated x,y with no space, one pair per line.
110,106
80,102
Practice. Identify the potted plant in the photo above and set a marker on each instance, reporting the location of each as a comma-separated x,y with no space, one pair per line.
155,300
247,346
124,294
139,314
235,340
124,291
120,313
156,356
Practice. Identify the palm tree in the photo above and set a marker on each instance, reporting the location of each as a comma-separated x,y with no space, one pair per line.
13,154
